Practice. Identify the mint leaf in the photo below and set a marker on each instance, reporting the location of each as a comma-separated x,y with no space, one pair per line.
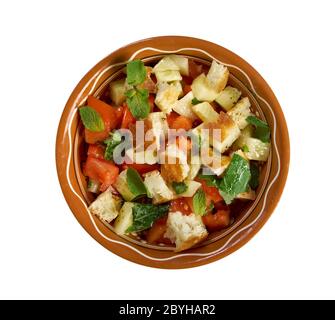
199,202
245,148
211,207
262,131
236,178
135,183
112,142
179,187
144,215
138,103
254,180
195,101
211,180
136,72
91,119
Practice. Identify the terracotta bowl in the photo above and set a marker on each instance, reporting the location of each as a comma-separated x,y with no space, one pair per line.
252,216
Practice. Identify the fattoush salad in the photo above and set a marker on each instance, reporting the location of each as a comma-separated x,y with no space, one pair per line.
174,152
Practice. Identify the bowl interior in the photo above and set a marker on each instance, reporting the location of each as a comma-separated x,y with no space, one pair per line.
240,210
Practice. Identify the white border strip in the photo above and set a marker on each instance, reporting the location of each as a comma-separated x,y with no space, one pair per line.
208,254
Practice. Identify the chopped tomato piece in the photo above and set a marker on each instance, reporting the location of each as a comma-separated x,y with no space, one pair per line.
212,193
101,170
181,122
221,206
96,151
127,118
148,84
119,113
194,69
152,102
189,201
217,221
187,82
187,88
141,168
182,205
156,232
110,116
171,118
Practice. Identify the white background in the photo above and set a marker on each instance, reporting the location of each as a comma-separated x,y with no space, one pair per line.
45,49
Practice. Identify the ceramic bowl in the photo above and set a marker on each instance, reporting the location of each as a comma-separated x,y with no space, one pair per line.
70,155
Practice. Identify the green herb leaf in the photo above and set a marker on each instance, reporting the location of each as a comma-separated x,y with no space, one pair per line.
262,131
91,119
138,103
254,180
236,178
211,180
199,202
195,101
144,215
135,183
245,148
179,187
211,207
136,72
112,142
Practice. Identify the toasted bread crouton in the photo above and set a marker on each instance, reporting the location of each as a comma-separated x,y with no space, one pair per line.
168,76
175,167
247,195
159,126
215,161
166,64
167,95
217,76
182,63
228,97
195,166
157,187
227,134
106,206
185,230
202,89
184,106
177,172
205,112
240,112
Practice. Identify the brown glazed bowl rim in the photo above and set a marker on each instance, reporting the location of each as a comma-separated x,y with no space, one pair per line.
268,195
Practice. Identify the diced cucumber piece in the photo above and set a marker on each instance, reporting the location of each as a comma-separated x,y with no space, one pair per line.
116,91
125,218
121,186
93,186
192,187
